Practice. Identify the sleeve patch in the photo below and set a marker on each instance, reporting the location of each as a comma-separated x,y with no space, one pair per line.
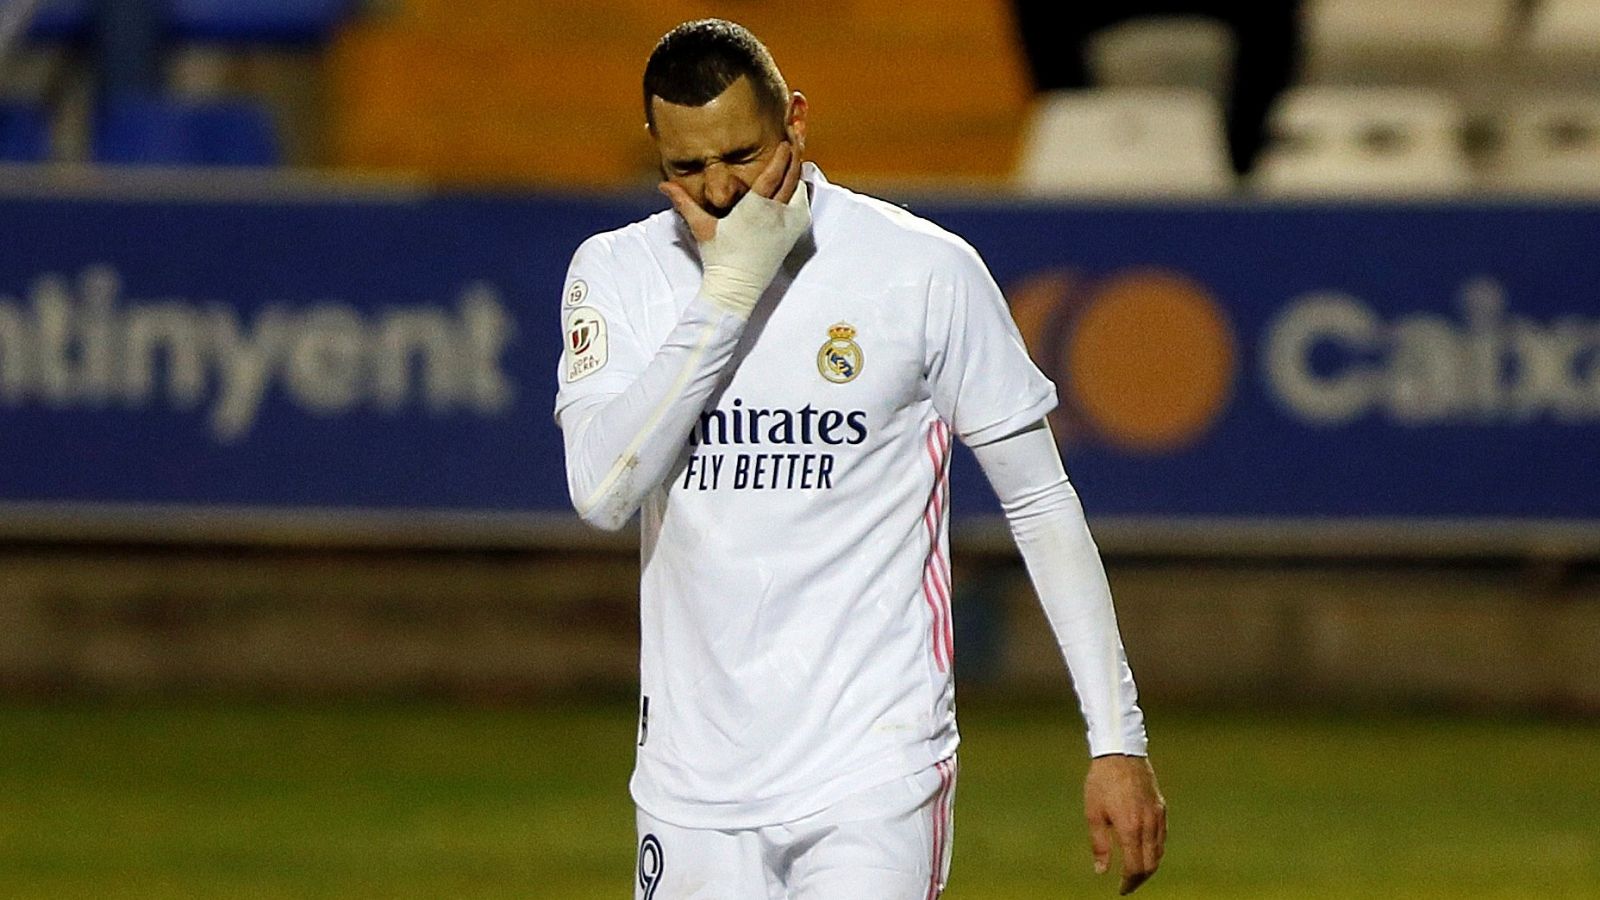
586,351
577,293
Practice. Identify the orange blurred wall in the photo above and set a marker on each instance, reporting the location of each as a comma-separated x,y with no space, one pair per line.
547,93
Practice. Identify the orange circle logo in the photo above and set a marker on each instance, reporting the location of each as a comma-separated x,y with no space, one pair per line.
1146,359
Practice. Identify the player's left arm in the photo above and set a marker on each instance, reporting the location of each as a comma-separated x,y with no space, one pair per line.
983,383
1122,801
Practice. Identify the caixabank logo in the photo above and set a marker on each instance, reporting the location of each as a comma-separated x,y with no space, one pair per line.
1150,361
1145,359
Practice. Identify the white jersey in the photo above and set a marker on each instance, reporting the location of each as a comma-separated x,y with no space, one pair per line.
795,591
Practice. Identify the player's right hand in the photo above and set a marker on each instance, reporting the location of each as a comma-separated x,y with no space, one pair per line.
742,252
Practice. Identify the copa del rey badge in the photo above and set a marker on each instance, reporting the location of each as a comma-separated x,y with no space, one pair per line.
840,358
586,342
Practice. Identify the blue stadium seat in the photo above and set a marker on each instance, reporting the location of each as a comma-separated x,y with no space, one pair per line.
258,21
24,133
156,131
61,20
224,21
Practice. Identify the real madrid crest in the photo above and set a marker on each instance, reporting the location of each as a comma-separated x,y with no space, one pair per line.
840,358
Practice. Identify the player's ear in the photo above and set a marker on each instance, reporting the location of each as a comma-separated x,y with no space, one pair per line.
795,121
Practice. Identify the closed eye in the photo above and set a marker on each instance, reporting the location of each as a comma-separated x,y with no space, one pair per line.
741,156
737,157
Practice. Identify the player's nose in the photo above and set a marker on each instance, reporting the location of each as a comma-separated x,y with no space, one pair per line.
723,189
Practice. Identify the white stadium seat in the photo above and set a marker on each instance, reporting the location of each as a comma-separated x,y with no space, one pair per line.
1394,41
1363,141
1571,26
1150,142
1550,146
1170,51
1560,50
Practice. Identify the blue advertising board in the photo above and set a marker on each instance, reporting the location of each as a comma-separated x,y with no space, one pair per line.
1303,361
348,355
367,354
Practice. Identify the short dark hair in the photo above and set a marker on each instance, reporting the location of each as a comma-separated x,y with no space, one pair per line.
694,63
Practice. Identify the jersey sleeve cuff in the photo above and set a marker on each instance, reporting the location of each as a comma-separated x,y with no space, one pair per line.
1135,747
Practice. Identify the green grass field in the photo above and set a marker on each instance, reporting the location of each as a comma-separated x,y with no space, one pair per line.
435,800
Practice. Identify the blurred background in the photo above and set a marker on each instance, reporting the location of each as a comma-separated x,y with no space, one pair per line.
292,602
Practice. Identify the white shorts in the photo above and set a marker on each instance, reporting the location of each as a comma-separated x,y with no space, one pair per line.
891,842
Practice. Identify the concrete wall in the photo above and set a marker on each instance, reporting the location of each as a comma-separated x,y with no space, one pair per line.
294,622
1479,635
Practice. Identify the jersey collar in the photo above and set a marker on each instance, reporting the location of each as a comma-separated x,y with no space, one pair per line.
821,190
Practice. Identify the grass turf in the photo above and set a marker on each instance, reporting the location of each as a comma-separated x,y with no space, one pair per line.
435,800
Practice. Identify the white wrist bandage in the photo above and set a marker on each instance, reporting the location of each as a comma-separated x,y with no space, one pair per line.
750,244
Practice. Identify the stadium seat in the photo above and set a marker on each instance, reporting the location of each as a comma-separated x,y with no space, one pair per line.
1382,41
60,20
154,131
1363,141
259,21
1167,51
24,133
221,21
1560,50
1565,25
1550,145
1125,142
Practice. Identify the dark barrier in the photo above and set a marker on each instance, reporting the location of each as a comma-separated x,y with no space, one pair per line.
334,358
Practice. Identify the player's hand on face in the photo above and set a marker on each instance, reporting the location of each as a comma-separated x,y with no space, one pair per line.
781,174
741,253
776,181
702,225
1123,804
791,168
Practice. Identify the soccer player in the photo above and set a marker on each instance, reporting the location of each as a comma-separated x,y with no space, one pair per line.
771,374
